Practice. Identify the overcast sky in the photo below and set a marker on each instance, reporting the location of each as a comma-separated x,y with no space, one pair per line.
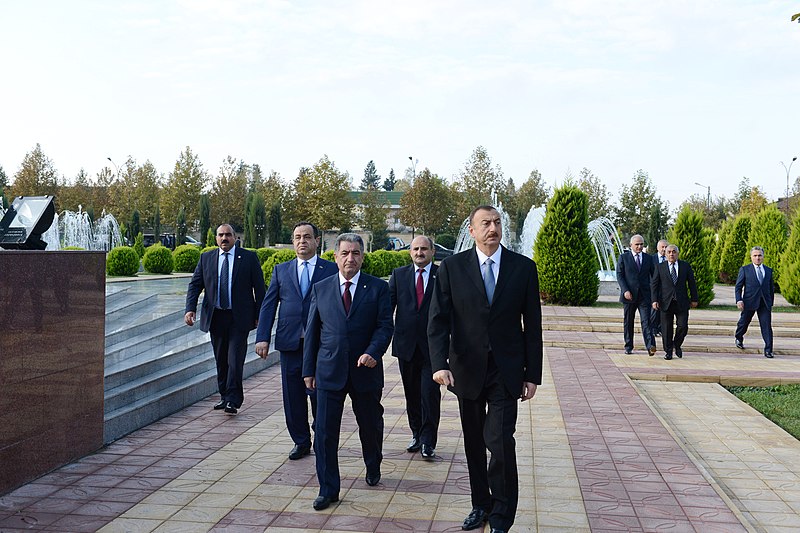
689,91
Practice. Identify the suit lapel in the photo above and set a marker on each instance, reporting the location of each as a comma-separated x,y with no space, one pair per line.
291,271
213,269
237,263
474,270
409,282
506,271
361,290
431,280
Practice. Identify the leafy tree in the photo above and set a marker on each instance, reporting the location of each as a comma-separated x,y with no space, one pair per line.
102,190
719,246
320,195
532,193
204,209
273,189
656,228
79,193
564,253
755,202
371,178
427,205
389,183
695,243
790,265
477,181
228,194
735,250
183,187
180,226
714,213
255,179
146,190
36,176
597,192
372,217
635,202
4,185
769,231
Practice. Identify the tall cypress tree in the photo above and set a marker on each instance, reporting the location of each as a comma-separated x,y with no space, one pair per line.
769,231
735,250
716,255
695,244
790,265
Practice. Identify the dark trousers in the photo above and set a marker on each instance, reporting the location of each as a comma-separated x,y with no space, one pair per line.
423,397
681,320
628,316
655,322
764,320
295,397
369,415
489,422
230,348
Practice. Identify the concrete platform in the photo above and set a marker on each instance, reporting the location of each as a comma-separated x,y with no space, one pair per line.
611,442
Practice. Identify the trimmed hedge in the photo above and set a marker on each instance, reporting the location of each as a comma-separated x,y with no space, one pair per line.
735,250
446,239
769,231
208,249
264,254
122,261
280,256
328,256
695,243
186,257
158,260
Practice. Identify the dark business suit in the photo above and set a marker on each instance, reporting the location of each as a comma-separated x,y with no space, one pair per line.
655,314
757,298
229,328
334,342
491,349
635,279
410,346
674,300
284,288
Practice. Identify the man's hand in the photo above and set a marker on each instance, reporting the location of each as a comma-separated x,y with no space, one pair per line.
655,306
694,304
444,377
367,361
628,296
528,390
311,383
189,318
262,349
740,305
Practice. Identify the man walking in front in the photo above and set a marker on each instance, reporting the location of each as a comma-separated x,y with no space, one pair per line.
290,285
634,270
485,339
755,293
234,289
349,329
671,296
411,288
655,315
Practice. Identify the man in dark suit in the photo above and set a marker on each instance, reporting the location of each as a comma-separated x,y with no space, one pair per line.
290,286
671,296
234,289
485,339
634,270
411,288
755,293
655,315
349,328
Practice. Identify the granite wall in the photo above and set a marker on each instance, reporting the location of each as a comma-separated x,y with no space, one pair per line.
52,329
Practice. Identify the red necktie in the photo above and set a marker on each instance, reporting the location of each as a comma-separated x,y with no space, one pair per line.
346,297
420,288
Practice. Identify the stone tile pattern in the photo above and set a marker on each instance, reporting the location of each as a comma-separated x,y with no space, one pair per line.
52,312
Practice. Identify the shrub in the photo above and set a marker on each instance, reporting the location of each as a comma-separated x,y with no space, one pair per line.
695,242
211,238
186,257
73,248
564,253
446,239
158,260
382,263
122,261
208,249
790,265
401,258
735,250
138,244
366,266
328,255
769,231
264,254
280,256
716,255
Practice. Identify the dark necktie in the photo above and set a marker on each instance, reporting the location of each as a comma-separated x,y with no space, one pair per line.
673,274
346,297
224,298
420,288
638,262
661,259
488,279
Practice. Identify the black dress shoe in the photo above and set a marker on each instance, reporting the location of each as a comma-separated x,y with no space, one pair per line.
652,350
230,409
497,530
476,519
413,446
220,405
323,502
299,452
739,344
628,351
428,452
679,352
768,354
668,356
373,479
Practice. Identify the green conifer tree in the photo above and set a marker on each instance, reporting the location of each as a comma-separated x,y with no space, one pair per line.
735,249
716,255
769,231
695,243
564,253
790,265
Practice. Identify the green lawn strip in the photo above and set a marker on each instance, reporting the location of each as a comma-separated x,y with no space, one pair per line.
780,403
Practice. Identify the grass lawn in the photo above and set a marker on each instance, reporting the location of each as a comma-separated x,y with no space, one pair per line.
780,403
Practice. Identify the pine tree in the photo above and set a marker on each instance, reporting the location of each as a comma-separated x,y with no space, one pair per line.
790,265
564,253
694,242
735,251
371,178
205,215
769,231
389,183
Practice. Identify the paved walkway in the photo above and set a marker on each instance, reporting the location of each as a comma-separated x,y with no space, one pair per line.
598,451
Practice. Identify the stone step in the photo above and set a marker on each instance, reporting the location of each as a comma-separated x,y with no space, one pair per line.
129,304
114,293
154,334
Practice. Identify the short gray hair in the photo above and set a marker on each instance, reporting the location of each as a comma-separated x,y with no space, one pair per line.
673,246
349,237
754,248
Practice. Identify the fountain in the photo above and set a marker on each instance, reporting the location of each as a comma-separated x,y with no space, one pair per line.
605,240
530,230
75,229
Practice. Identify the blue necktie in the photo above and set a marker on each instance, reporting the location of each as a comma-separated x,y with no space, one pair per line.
488,279
305,282
760,275
224,299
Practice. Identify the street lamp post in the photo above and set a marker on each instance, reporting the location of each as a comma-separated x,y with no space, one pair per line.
115,166
414,166
788,170
708,195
